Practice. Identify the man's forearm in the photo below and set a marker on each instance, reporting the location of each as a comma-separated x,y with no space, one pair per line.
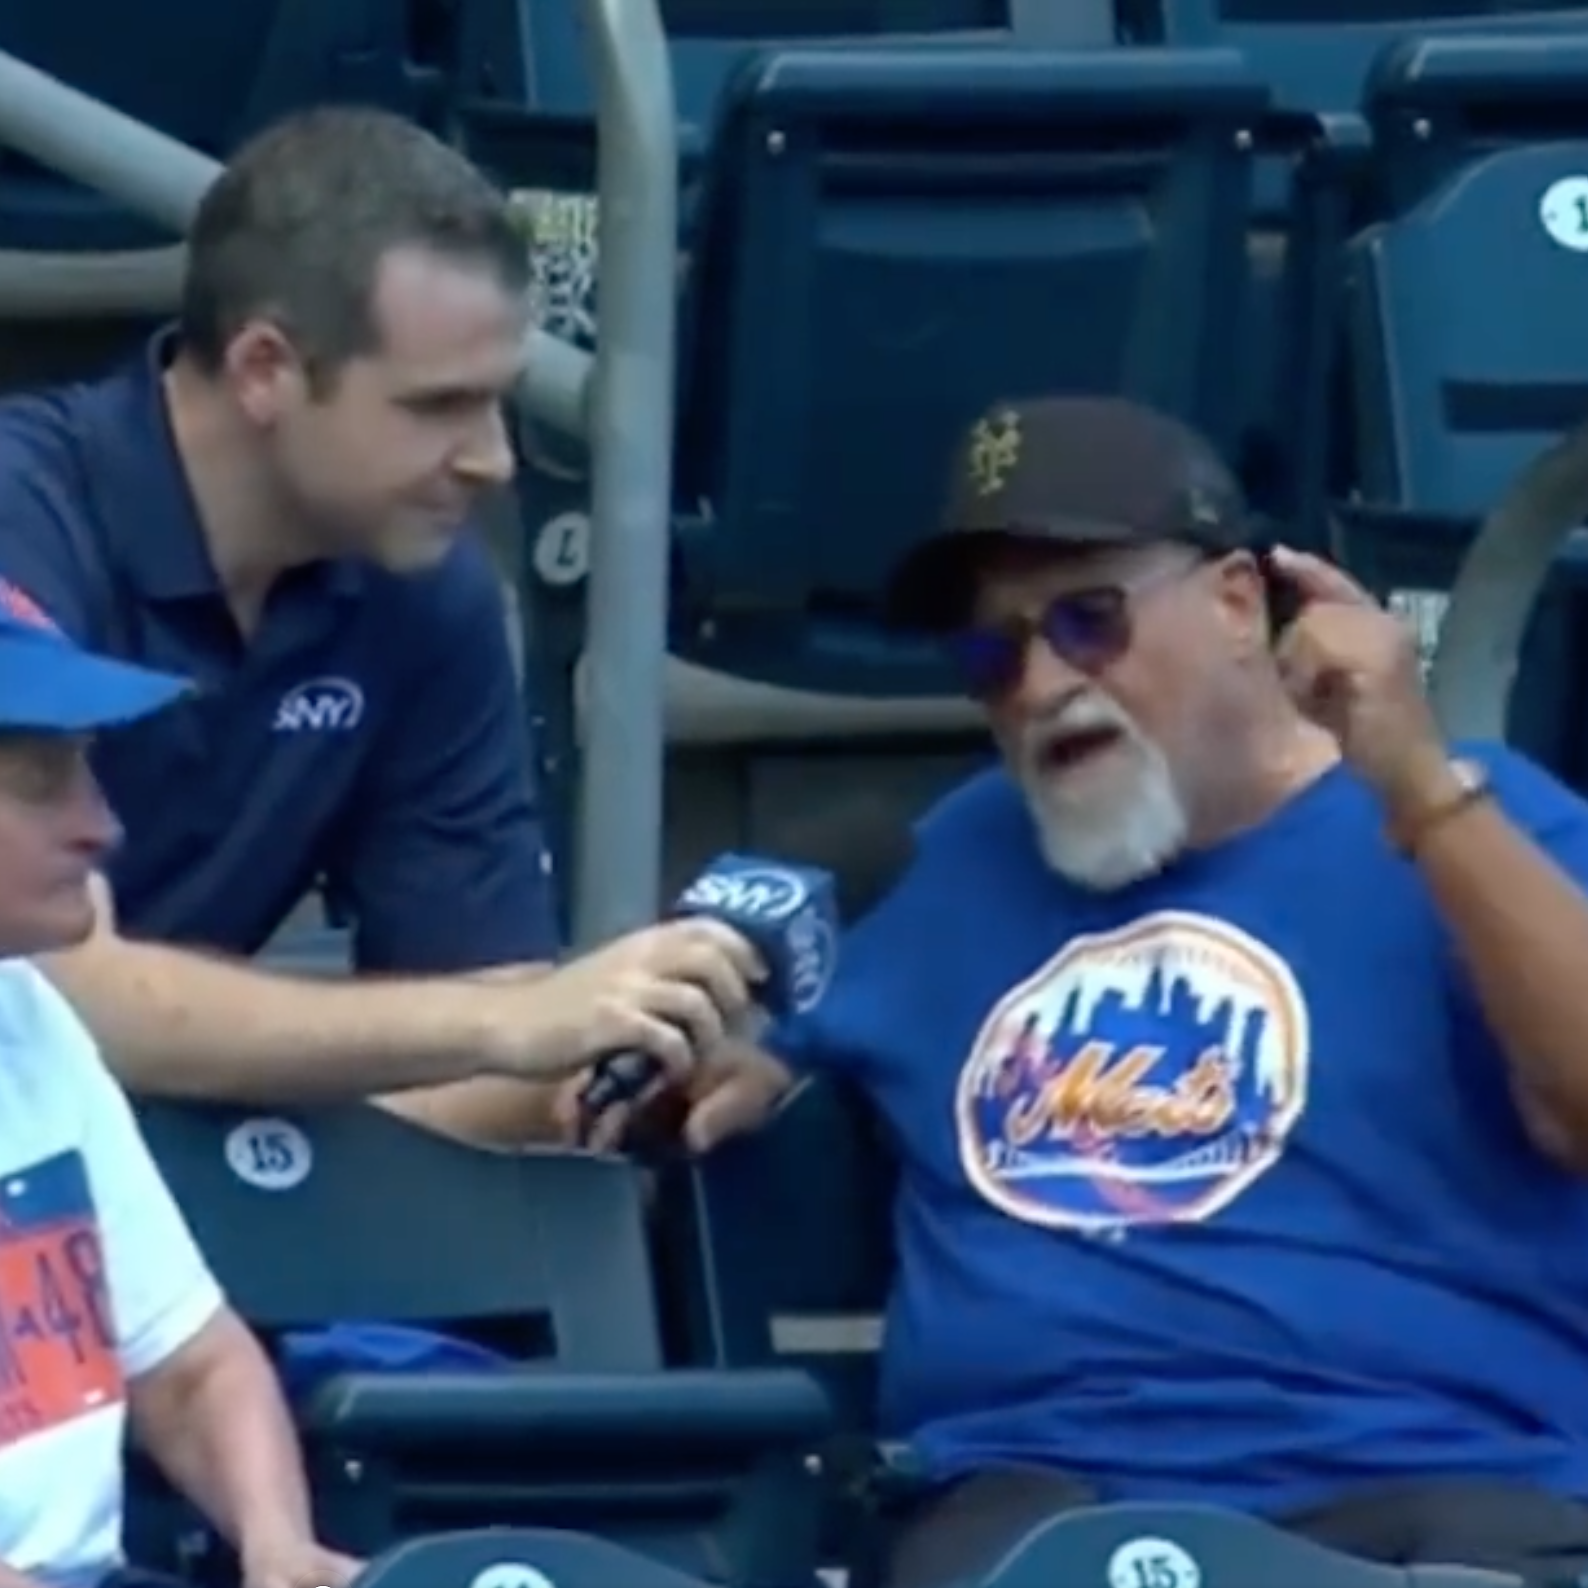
175,1023
215,1421
1521,926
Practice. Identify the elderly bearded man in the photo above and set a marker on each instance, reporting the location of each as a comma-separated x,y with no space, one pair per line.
1234,1039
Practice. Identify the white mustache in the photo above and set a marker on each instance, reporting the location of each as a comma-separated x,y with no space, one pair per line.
1086,714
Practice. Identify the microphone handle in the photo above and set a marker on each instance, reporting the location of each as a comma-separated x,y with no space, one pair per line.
618,1080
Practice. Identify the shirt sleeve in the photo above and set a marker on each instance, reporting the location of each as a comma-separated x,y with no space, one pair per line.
1553,816
446,867
161,1290
39,569
846,1033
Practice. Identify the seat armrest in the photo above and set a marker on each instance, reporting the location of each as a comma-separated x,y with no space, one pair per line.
688,1416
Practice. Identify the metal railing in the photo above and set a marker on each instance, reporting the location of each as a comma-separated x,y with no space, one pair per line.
620,401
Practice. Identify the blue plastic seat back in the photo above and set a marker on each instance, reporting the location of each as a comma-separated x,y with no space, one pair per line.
350,1213
1455,307
893,239
533,52
1458,300
1458,314
208,75
1317,54
791,1247
520,1558
353,1214
1321,65
1190,1546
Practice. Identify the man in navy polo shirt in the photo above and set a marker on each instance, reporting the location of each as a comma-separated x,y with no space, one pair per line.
1231,1038
271,501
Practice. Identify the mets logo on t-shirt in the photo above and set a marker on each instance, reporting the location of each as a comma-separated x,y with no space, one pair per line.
1147,1075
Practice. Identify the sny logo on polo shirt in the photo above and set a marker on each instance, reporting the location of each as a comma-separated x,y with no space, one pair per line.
321,705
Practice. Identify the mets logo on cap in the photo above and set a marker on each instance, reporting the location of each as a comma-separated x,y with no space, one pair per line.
1147,1075
992,451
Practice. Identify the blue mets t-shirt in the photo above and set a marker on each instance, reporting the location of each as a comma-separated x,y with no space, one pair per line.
1212,1188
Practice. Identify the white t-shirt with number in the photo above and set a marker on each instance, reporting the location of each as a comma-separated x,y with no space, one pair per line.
100,1282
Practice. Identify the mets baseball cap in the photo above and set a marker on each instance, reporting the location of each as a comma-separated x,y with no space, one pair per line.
1073,471
48,684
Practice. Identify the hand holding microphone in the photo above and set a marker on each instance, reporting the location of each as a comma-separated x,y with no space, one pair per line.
669,991
787,915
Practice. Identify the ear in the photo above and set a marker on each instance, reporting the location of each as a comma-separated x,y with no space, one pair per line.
1243,600
265,373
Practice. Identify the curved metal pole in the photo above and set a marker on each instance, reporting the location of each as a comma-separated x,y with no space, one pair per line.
1501,577
631,443
69,132
57,287
163,180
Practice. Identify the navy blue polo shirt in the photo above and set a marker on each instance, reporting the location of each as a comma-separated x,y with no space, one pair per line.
369,732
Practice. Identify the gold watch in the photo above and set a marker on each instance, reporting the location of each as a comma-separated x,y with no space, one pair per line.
1469,784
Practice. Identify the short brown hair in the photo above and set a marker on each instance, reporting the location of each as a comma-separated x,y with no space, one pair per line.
297,225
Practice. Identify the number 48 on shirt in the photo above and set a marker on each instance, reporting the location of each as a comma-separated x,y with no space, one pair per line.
58,1356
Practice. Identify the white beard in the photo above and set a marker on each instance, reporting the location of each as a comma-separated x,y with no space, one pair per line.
1109,821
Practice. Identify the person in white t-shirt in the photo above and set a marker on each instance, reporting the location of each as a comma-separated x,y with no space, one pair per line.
107,1310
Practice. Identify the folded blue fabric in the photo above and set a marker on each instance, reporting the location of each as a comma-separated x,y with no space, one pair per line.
310,1357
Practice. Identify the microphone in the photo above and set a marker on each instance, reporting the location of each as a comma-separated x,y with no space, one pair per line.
788,914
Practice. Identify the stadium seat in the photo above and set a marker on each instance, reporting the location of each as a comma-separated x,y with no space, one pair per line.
1135,1546
1187,1546
892,239
1457,298
517,1558
813,1298
1318,54
530,54
1454,304
209,75
352,1213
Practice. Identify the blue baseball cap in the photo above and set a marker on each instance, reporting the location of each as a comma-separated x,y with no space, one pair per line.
49,684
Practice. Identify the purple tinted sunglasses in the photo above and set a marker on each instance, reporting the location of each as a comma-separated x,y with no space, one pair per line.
1088,628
